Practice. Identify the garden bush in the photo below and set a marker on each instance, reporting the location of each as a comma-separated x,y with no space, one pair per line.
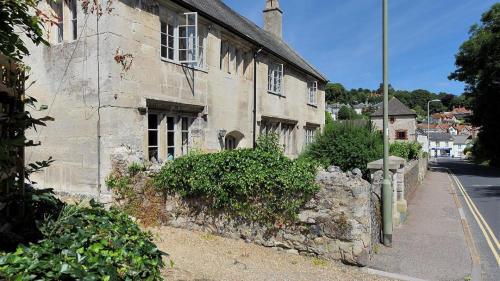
259,184
406,150
346,145
86,243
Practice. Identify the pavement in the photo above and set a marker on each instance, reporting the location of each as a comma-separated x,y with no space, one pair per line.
433,244
478,188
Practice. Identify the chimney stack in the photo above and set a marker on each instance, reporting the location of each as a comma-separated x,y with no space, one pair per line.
273,18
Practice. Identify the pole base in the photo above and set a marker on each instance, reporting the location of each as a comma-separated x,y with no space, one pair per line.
388,240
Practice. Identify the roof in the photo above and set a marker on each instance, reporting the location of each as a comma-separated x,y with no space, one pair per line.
433,136
220,13
396,108
461,139
461,110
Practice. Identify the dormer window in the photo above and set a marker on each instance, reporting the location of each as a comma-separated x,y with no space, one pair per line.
312,92
275,78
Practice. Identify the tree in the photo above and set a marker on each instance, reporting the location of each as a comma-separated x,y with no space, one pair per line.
478,65
335,92
345,113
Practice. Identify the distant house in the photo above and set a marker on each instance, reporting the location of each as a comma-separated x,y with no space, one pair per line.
402,121
461,112
441,144
444,117
334,109
358,108
460,142
422,139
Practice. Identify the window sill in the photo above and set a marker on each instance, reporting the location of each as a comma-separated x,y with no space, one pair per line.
204,69
276,94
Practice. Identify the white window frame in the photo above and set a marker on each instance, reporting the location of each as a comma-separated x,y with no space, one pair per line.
195,47
275,82
312,93
309,135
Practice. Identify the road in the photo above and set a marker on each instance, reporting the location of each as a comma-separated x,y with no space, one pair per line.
481,203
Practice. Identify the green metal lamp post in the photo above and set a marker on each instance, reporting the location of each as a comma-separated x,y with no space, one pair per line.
386,187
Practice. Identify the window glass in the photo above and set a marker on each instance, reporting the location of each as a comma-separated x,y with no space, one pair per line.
153,123
312,90
181,40
58,27
275,80
73,19
170,138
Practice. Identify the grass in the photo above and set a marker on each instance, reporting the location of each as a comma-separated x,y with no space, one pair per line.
319,262
208,237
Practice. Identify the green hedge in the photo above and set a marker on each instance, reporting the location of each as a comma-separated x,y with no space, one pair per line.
260,185
86,244
406,150
347,145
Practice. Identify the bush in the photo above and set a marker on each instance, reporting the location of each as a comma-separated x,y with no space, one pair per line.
86,244
260,185
406,150
346,145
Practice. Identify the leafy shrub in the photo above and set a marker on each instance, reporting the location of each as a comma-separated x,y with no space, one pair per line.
406,150
346,145
136,168
86,244
260,185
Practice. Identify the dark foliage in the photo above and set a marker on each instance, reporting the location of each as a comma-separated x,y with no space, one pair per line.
478,65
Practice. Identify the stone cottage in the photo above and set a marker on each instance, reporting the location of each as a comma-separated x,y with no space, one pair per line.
158,78
402,121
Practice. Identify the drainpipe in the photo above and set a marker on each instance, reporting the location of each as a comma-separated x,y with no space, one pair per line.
98,115
255,97
386,187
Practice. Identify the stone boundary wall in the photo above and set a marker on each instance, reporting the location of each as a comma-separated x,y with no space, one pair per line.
337,224
414,174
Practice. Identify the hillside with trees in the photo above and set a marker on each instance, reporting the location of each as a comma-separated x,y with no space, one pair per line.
415,99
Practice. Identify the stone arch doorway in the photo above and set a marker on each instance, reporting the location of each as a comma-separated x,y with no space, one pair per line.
232,140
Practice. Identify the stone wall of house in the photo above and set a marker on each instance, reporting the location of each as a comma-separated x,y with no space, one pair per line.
103,110
337,224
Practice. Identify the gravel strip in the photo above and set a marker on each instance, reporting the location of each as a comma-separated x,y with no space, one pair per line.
199,256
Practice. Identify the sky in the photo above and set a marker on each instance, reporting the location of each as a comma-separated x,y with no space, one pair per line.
343,38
